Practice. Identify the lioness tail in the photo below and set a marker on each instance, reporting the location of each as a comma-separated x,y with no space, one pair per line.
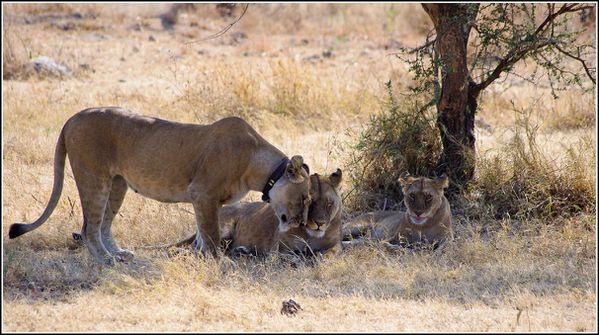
18,229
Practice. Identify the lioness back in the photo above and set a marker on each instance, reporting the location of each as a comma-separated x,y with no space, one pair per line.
379,225
251,225
157,158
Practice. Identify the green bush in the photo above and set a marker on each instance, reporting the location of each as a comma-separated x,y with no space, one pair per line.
403,137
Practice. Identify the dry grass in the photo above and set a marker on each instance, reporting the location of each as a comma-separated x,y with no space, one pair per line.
503,273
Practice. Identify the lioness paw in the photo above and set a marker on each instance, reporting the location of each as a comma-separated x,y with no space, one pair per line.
124,255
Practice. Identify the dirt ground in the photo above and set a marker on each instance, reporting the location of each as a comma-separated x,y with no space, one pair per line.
308,77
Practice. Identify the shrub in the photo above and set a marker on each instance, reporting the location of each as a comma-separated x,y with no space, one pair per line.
404,137
522,181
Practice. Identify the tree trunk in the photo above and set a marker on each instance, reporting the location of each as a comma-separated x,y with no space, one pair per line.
457,104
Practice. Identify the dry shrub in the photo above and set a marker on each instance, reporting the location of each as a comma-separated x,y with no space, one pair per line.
520,180
404,137
283,88
14,53
378,21
573,110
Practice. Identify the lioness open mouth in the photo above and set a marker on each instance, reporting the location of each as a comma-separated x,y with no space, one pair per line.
418,220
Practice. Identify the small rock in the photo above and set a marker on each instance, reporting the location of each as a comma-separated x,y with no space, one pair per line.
95,37
168,19
312,59
238,37
290,307
135,49
151,38
225,9
86,67
68,25
327,53
136,27
48,66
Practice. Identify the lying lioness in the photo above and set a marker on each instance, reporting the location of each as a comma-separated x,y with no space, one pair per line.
112,149
426,221
253,227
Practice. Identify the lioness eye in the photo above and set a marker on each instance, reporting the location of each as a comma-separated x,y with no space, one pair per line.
429,197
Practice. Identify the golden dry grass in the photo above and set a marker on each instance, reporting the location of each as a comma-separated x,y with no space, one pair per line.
499,274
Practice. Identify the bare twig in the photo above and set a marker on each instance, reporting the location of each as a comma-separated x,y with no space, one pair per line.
224,30
582,61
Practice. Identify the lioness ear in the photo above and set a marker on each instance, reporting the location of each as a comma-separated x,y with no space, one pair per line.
306,168
335,178
403,178
295,170
442,181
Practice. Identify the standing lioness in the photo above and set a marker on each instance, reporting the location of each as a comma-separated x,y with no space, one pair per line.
111,149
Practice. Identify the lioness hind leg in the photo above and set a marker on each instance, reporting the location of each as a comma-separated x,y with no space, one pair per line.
93,193
115,200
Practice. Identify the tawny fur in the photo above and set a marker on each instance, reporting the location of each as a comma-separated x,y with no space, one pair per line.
111,150
253,226
426,221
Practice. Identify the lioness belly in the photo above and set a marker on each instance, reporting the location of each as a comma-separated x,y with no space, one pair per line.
159,191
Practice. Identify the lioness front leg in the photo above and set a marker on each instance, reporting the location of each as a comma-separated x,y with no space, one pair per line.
332,252
115,200
206,211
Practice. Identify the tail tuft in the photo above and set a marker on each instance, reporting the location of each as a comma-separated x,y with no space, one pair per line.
17,230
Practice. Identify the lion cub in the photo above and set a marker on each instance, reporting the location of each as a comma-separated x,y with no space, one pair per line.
427,219
252,227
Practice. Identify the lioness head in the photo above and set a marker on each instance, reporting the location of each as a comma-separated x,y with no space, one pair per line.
422,196
326,202
290,195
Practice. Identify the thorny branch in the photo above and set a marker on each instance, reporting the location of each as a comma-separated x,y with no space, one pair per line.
514,56
582,61
224,30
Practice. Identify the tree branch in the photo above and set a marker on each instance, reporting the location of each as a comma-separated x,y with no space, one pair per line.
582,61
513,56
508,61
222,31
